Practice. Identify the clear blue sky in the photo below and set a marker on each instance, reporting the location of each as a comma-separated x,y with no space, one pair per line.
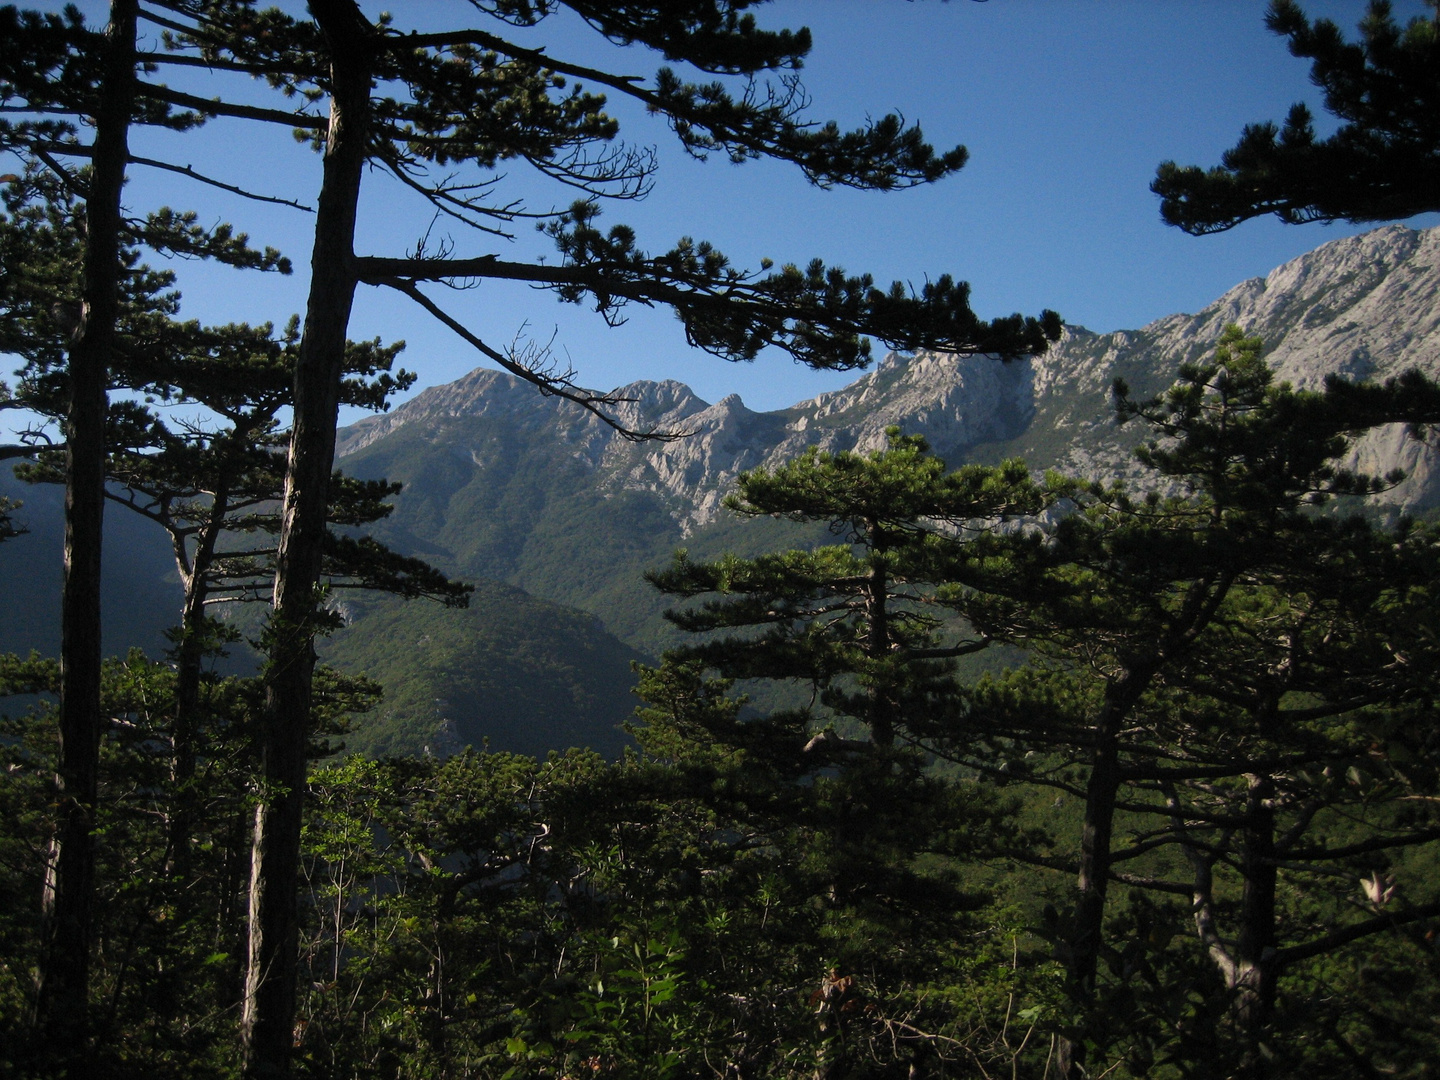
1066,107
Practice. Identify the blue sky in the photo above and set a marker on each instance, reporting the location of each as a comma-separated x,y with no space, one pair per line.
1066,107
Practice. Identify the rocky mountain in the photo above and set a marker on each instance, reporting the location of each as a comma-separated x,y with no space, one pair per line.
1361,307
505,486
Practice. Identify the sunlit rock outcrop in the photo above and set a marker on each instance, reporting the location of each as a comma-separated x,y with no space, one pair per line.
1360,307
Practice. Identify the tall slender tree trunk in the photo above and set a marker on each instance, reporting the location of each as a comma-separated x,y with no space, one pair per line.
268,1017
1255,947
61,1014
1096,832
195,633
882,710
1095,842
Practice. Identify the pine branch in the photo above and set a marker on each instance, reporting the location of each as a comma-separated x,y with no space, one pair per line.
1318,947
216,107
1378,843
186,170
210,64
453,206
1152,884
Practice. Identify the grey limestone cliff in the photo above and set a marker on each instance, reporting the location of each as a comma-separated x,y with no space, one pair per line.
1360,307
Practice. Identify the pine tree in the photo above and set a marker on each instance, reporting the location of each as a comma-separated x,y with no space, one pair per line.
1304,774
859,620
1139,612
61,1004
212,486
1318,650
859,627
860,624
1382,164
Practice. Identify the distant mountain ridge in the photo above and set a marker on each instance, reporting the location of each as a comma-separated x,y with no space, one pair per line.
1361,307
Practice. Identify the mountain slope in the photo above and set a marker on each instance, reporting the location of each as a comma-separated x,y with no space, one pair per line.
533,490
519,673
140,593
528,675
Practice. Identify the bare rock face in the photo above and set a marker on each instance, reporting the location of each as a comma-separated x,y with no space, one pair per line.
1365,307
662,406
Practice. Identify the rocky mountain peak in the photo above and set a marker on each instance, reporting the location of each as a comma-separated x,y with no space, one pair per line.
1362,307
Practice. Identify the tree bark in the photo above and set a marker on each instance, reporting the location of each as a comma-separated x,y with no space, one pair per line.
877,645
1255,950
62,991
1093,878
195,633
1095,843
268,1017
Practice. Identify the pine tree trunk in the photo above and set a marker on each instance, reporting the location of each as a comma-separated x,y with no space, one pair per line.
877,645
63,981
268,1018
189,662
1096,832
1095,840
1255,949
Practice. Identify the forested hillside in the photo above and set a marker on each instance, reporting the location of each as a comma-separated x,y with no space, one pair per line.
509,672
